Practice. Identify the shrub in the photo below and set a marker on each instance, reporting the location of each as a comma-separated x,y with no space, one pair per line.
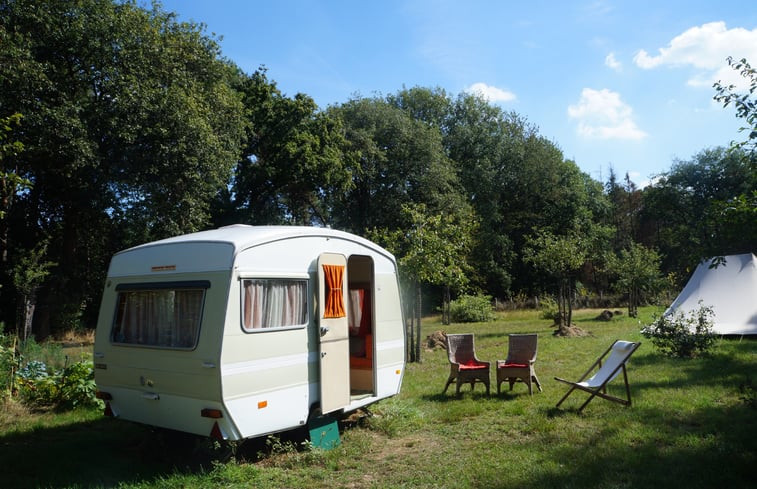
549,309
70,387
471,309
8,365
682,335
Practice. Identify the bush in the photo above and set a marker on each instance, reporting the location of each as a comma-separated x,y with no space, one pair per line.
9,361
471,309
549,309
682,335
70,387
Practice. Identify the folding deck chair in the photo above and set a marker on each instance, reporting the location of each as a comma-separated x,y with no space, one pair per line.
596,385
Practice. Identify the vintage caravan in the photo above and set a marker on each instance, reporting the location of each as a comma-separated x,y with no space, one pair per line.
247,330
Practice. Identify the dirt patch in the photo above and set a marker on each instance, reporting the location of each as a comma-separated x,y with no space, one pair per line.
605,315
571,331
419,449
437,339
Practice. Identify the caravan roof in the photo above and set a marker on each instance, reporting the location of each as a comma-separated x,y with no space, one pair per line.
216,249
243,236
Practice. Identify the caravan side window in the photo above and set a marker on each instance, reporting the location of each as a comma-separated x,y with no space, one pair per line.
162,315
273,303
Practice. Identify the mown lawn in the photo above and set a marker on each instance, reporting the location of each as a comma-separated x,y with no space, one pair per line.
688,426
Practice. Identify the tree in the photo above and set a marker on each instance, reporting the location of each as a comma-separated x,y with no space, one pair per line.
131,126
433,250
625,206
695,210
293,158
393,160
560,257
28,275
11,183
637,271
739,213
745,104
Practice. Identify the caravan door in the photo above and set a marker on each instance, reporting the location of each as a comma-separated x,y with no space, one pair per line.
333,332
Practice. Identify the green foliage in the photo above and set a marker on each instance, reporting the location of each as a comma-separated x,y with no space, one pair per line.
637,272
682,335
131,127
434,249
31,269
549,309
11,183
9,363
472,309
68,388
745,104
48,352
689,207
394,418
292,162
559,257
748,393
393,161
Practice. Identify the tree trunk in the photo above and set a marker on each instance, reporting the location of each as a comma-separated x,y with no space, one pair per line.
570,303
633,303
418,299
561,305
411,332
28,304
446,319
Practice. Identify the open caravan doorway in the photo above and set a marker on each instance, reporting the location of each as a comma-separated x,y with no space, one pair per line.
360,312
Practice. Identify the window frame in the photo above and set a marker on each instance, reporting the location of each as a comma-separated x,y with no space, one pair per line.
274,277
202,285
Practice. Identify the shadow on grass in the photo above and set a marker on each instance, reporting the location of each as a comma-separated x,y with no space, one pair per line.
710,369
465,394
102,453
688,452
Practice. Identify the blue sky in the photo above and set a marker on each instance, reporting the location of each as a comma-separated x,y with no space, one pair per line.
626,84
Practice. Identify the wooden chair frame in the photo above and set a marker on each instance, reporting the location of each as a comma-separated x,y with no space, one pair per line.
597,384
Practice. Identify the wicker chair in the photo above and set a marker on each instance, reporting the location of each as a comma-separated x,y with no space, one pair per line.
464,366
519,364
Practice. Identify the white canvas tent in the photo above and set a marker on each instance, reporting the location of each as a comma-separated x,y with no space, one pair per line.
730,289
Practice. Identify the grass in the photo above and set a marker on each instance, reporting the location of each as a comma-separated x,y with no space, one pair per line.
687,425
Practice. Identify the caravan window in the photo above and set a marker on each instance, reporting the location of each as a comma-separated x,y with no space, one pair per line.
273,303
163,315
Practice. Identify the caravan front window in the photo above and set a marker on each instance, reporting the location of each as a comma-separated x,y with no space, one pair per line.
273,303
162,315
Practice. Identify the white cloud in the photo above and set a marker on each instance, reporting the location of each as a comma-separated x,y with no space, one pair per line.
705,48
601,114
490,93
649,182
613,63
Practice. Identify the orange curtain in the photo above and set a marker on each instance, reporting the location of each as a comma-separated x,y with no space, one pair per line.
334,276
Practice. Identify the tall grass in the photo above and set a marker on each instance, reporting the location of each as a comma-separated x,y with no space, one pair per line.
688,425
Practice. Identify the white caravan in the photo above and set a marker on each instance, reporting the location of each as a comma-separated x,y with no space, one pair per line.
247,330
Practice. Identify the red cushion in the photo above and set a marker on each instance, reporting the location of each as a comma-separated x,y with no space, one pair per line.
512,365
472,366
